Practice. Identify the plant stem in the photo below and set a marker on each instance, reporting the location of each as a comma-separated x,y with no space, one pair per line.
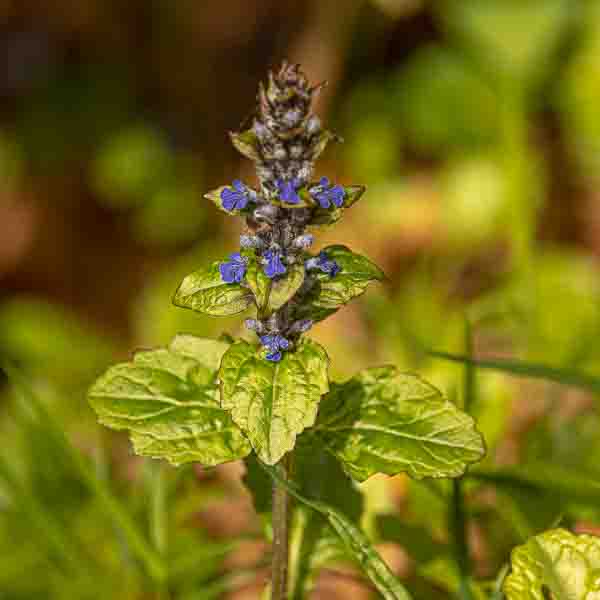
281,503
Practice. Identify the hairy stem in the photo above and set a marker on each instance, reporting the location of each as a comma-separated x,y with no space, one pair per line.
281,504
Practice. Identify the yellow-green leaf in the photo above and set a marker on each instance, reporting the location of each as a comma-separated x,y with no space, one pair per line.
555,564
272,402
168,401
330,293
284,288
205,292
383,421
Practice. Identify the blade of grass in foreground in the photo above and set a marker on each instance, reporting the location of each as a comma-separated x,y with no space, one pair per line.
354,539
52,532
111,506
525,369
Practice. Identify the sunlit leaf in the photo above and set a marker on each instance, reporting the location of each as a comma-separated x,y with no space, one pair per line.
284,288
258,282
330,293
382,421
206,292
168,400
272,402
556,562
328,216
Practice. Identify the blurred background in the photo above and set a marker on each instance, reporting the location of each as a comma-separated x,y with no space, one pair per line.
475,126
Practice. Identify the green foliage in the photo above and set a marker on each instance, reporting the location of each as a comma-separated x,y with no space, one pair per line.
475,124
168,400
273,402
329,216
314,543
331,293
555,562
356,542
387,422
204,291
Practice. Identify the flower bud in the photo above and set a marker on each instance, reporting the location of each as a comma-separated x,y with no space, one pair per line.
301,326
304,241
254,325
266,212
313,125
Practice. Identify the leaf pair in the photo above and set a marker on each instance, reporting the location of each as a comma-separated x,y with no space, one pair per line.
205,291
169,401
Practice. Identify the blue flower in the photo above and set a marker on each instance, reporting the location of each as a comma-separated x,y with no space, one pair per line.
274,266
323,263
234,269
326,194
237,196
287,191
274,344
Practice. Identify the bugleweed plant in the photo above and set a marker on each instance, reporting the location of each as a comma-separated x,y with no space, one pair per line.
268,399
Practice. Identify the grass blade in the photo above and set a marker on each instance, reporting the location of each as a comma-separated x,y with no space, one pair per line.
111,506
525,369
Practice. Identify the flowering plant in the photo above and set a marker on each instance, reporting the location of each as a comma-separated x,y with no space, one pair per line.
269,401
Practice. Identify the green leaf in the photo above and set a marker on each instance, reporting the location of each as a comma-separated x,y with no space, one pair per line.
258,282
321,141
536,477
246,143
330,293
328,216
555,562
168,400
526,369
356,542
205,292
382,421
284,288
272,294
273,402
357,272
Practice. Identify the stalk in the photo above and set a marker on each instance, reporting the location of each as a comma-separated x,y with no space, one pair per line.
281,520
